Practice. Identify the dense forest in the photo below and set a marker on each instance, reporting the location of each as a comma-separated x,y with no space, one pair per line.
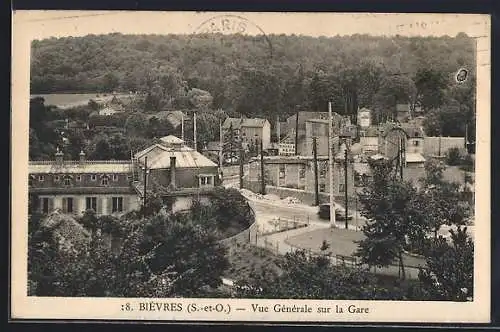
271,76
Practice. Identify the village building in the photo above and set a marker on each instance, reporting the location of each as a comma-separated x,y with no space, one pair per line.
364,118
303,126
185,173
75,186
117,186
396,138
250,131
297,172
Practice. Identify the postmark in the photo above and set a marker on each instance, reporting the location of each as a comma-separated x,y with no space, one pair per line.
224,25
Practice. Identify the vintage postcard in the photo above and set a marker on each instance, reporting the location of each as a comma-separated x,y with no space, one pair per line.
250,167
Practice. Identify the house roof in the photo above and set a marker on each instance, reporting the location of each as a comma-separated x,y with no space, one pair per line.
73,167
171,139
237,123
159,157
414,158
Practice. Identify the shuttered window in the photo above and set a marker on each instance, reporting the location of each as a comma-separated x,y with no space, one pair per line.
91,203
44,204
117,204
68,204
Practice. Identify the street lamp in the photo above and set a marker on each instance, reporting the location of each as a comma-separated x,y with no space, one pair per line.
346,154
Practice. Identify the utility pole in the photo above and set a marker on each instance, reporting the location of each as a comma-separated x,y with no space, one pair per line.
262,171
466,140
331,164
315,156
241,166
182,126
194,128
401,156
345,187
221,141
145,183
296,132
278,129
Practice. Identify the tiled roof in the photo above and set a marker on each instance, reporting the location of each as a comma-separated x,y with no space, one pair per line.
243,122
71,167
414,158
159,157
171,139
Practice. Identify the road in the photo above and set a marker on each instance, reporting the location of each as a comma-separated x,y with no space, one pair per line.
267,210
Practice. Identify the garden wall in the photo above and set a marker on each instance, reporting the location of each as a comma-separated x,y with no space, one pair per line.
245,236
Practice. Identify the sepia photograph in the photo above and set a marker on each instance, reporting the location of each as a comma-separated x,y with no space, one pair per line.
251,166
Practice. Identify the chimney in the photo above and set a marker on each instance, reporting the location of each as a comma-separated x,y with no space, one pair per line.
82,157
172,172
59,157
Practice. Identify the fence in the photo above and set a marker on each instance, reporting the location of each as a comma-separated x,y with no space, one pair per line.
278,225
352,262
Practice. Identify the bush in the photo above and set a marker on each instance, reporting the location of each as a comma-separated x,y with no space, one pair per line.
453,157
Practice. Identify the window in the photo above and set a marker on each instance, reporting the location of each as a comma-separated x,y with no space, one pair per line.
416,143
341,187
322,187
93,177
104,181
115,177
68,204
67,181
45,205
117,205
78,178
41,178
205,180
56,178
91,203
282,171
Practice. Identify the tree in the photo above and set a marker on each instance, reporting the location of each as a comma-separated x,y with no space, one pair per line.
200,99
430,84
313,277
441,200
450,272
393,215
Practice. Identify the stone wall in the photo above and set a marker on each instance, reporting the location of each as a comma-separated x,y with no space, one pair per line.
246,236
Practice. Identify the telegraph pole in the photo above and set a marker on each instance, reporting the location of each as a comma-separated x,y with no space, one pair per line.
182,126
262,171
331,164
315,156
221,141
345,186
194,133
145,182
296,132
241,166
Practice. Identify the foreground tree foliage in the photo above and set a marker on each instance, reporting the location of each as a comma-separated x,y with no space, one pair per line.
162,256
450,273
393,215
314,277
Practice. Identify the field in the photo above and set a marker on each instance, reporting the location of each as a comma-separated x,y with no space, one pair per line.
340,242
68,100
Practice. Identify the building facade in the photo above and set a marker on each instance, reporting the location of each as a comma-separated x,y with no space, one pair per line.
297,172
249,131
364,118
76,186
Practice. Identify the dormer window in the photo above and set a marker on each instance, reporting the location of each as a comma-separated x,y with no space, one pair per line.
105,181
67,181
93,177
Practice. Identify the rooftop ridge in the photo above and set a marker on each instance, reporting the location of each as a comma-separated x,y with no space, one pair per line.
77,162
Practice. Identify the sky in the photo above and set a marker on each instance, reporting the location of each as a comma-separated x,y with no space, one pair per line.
46,24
